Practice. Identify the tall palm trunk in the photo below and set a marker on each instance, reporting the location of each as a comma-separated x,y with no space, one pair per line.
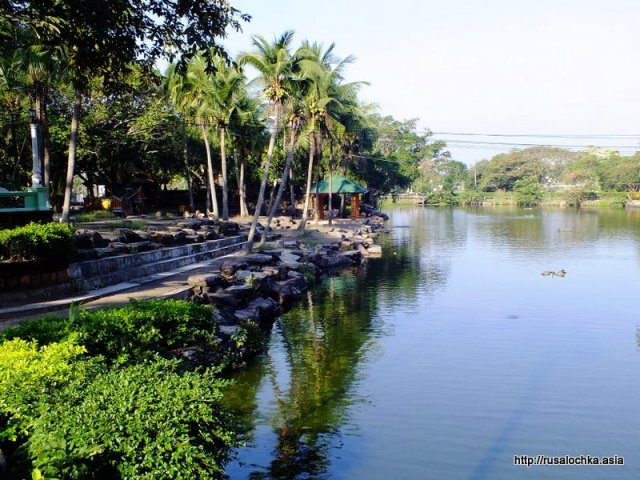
212,185
223,165
242,193
283,183
265,177
292,193
71,161
312,153
46,148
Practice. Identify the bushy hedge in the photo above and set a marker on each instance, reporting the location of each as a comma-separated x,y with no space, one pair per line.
133,332
142,421
90,396
51,241
43,330
142,328
29,374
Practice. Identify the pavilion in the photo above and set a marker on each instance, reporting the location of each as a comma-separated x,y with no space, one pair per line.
340,186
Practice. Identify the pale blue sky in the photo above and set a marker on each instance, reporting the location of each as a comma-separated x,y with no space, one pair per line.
491,66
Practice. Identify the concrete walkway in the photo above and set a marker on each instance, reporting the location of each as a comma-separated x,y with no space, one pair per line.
171,284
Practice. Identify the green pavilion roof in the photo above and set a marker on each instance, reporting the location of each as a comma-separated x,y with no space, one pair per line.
339,185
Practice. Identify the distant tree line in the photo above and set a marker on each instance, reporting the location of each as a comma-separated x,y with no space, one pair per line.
531,173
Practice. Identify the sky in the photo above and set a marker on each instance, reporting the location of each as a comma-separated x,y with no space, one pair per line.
545,67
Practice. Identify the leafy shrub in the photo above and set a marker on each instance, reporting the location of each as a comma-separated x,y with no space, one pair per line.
137,330
28,376
44,330
95,216
37,242
142,421
528,192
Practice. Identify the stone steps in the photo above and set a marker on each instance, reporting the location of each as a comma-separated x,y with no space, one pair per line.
94,274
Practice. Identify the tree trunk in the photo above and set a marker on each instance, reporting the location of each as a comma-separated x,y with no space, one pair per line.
272,195
283,183
242,193
186,165
71,161
292,193
263,184
46,150
307,196
212,185
330,207
223,165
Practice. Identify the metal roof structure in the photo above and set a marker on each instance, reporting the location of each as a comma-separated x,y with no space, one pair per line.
339,184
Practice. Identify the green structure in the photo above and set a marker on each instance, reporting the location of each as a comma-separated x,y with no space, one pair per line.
339,185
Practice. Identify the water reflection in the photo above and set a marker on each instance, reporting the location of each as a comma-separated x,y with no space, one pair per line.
302,389
452,353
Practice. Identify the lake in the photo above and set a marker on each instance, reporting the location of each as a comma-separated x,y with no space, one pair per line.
452,354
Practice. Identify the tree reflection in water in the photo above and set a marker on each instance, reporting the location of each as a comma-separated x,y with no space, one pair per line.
321,343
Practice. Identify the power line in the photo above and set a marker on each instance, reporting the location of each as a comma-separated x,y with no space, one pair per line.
539,135
516,144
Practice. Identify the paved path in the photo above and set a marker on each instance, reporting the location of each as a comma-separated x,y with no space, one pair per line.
171,284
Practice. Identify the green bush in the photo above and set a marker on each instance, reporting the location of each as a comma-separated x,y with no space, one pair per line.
138,330
143,421
29,375
44,330
528,192
38,242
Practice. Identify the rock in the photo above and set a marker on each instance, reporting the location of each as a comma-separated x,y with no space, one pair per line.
259,259
242,276
211,235
229,330
228,268
119,247
89,239
191,223
210,280
363,251
278,272
290,244
164,238
197,238
333,261
289,257
179,237
375,250
222,299
354,256
346,245
285,291
229,228
258,309
129,236
144,246
243,291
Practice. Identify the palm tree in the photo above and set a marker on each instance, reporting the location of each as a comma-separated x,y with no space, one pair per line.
185,92
327,98
248,125
274,65
222,102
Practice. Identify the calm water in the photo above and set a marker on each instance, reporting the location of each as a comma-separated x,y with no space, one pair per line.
452,354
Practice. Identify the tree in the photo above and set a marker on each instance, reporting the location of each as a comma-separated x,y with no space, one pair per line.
223,94
104,39
273,63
